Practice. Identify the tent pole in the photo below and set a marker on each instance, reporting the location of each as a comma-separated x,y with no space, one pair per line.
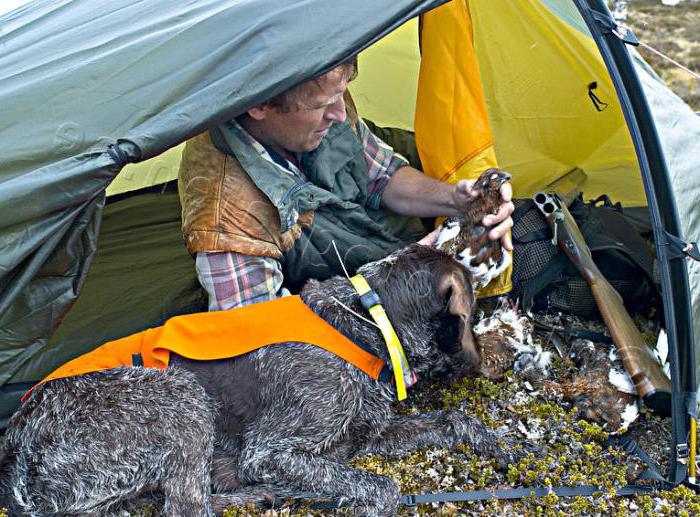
693,449
664,216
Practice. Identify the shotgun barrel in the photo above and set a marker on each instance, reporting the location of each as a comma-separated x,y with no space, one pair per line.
647,374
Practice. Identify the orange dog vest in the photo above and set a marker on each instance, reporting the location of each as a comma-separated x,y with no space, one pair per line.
221,335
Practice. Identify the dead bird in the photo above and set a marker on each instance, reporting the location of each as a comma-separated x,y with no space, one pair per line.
505,342
593,387
466,239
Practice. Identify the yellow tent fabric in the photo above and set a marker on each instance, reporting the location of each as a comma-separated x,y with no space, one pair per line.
534,70
453,133
385,88
522,103
536,82
135,176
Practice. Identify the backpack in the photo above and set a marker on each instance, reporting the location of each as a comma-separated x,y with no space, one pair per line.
545,279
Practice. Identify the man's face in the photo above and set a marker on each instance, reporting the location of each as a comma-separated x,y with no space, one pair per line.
315,107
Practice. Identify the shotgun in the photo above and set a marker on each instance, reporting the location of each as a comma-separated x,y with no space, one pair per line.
637,357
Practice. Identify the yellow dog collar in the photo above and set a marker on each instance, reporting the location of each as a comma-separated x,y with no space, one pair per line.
371,302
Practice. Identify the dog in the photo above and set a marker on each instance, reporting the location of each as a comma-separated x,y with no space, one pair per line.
281,419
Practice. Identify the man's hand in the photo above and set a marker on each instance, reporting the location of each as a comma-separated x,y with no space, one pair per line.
464,194
412,193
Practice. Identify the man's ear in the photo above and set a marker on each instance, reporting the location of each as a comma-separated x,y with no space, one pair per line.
455,287
258,112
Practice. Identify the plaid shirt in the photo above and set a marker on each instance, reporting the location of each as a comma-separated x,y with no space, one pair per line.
232,279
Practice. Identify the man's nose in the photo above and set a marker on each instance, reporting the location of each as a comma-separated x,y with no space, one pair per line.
336,111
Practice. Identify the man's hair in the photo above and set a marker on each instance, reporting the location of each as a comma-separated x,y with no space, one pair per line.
288,100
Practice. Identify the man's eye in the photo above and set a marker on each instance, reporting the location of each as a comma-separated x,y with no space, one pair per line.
306,107
324,105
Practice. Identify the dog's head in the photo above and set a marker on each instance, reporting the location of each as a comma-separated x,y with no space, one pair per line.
429,299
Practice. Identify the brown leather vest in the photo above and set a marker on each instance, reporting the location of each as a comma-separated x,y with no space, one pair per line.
223,210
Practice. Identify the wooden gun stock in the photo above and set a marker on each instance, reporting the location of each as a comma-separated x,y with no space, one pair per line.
649,379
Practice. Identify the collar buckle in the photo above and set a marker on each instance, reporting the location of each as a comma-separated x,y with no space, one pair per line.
372,303
370,299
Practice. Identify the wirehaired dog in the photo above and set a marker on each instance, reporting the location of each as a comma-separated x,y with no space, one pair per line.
284,418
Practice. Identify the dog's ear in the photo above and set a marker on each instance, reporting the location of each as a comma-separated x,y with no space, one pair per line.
454,287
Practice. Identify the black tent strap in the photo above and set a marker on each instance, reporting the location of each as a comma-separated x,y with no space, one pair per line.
628,445
504,493
597,101
518,493
118,155
610,26
623,442
605,20
678,248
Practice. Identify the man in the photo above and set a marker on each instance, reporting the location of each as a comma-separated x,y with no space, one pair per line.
267,197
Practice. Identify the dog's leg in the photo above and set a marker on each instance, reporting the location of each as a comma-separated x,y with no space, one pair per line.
438,429
303,471
224,473
224,464
89,445
258,495
187,487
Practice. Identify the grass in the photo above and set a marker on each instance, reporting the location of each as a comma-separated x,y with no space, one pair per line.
675,31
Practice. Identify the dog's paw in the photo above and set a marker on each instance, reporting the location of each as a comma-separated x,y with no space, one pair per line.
246,495
482,440
516,450
381,498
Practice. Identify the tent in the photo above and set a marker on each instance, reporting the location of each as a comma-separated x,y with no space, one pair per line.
96,102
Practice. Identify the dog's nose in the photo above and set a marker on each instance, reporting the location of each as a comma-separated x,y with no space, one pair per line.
462,367
471,357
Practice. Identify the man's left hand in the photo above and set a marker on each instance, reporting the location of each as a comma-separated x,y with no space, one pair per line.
464,194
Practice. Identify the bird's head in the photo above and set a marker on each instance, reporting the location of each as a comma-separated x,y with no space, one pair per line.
491,181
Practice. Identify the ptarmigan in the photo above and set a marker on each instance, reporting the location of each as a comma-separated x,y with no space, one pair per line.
466,239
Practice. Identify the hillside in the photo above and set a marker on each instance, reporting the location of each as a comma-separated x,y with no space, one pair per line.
675,31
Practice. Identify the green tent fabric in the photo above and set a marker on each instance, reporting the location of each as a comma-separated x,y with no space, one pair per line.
88,86
140,276
679,134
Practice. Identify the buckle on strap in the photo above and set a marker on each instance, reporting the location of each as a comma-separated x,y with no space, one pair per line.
678,248
136,360
372,303
370,299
